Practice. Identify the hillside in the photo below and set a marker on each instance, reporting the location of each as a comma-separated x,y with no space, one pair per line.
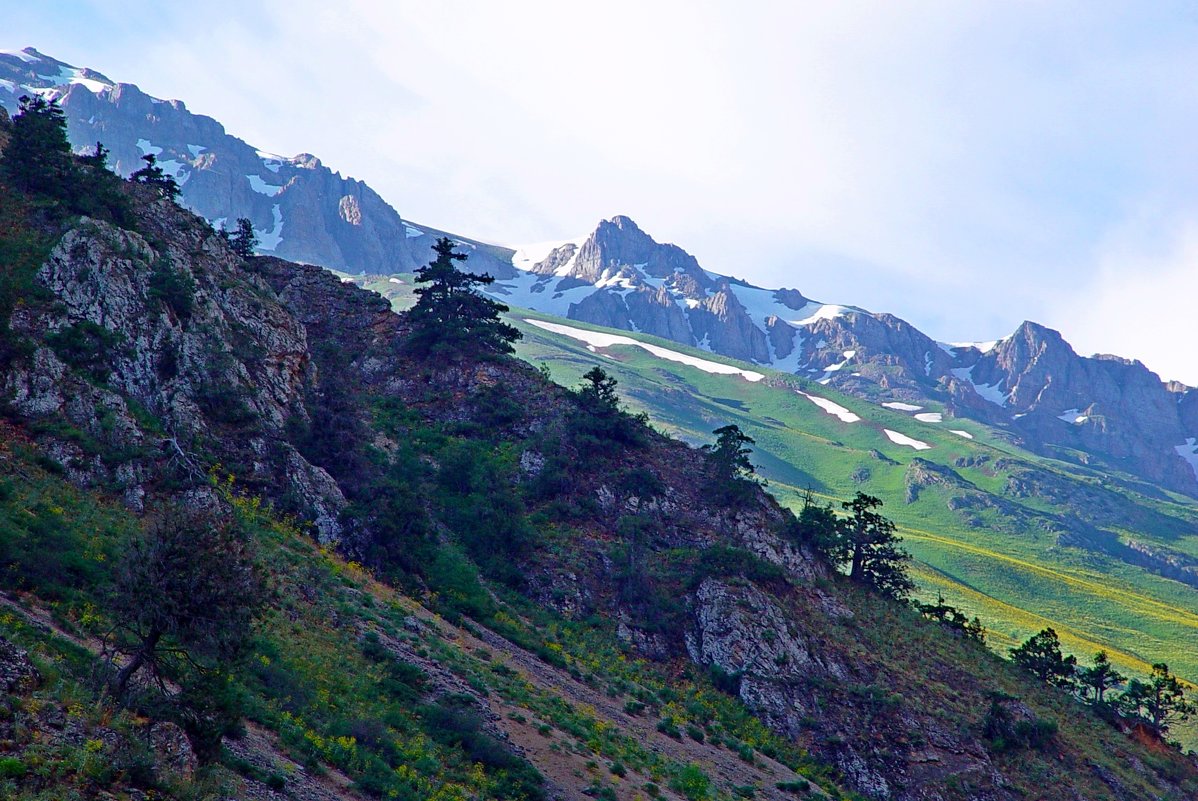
477,582
1019,540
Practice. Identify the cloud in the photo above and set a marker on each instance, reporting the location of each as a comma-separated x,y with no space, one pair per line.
1142,301
959,164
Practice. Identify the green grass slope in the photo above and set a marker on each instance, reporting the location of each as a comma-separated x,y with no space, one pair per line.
991,553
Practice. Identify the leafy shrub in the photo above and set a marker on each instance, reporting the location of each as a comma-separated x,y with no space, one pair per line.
174,288
86,346
723,562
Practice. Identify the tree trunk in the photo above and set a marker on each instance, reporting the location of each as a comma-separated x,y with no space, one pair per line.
143,655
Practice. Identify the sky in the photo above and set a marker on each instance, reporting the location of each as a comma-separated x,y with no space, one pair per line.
965,166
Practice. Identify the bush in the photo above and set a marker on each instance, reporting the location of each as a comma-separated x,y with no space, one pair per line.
11,768
174,288
86,346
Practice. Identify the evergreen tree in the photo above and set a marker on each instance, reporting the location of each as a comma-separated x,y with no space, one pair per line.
1041,656
244,240
37,158
154,175
868,542
597,394
185,595
732,475
599,420
451,317
1101,677
1160,701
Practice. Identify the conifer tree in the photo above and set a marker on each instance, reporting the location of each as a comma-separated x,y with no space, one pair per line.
1041,656
452,318
1160,701
868,542
732,474
37,158
155,176
1101,677
243,240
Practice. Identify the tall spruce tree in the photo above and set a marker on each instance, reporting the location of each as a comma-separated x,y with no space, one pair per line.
452,318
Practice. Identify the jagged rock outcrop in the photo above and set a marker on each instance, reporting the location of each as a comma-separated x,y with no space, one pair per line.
177,328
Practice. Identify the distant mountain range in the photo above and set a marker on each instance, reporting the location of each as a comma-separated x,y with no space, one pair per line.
1099,411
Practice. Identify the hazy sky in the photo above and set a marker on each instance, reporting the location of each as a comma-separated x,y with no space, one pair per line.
964,165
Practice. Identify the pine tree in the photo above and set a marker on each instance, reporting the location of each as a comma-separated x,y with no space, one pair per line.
452,318
154,175
599,420
37,158
1100,678
731,473
1041,656
244,240
1160,701
868,542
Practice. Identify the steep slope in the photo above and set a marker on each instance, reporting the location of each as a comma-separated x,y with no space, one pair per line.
591,582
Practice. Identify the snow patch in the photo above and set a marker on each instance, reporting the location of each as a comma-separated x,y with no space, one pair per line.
176,170
984,347
599,339
929,417
411,232
831,407
269,240
988,392
394,281
1073,416
263,188
528,256
902,407
21,54
148,149
9,85
1189,451
961,433
903,439
196,150
270,161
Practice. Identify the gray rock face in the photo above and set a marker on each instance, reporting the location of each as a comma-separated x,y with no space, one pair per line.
225,373
302,210
17,673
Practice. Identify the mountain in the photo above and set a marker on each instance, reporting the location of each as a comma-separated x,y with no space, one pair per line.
478,584
300,208
1101,410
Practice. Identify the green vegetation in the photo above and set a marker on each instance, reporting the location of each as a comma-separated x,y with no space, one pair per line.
1041,656
990,554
